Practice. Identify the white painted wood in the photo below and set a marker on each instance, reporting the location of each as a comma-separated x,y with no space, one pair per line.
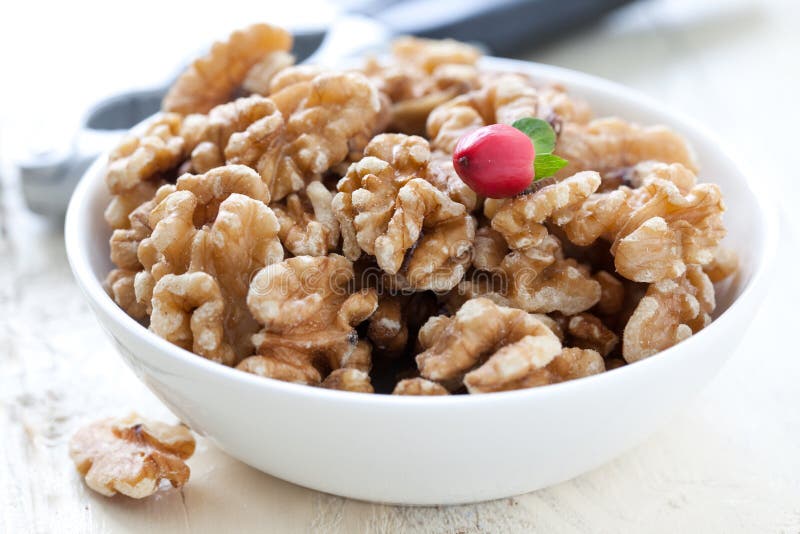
728,463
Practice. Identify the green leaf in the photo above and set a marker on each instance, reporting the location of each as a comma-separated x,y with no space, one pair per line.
546,165
540,132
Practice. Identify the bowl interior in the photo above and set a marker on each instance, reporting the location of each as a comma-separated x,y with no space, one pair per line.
750,219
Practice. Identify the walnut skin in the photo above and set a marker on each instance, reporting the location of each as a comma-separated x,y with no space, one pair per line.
131,455
213,79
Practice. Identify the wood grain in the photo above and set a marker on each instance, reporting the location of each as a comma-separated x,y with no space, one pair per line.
728,463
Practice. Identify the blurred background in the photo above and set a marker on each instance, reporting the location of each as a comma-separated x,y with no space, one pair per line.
733,64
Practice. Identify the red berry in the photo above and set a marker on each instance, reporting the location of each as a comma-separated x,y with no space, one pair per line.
495,161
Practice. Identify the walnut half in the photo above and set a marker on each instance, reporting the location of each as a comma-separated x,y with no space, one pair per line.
131,455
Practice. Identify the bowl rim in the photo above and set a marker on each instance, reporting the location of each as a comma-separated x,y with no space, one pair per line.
77,248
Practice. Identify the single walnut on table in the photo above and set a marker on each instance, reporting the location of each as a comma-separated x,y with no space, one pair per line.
131,455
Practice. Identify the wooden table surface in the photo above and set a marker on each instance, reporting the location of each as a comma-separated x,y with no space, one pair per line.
729,462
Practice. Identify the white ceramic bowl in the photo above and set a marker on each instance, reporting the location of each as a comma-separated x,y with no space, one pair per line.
443,450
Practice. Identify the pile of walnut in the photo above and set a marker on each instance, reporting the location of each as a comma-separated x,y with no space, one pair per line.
307,225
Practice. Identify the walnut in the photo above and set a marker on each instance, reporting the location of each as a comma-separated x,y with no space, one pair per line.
442,174
241,240
247,131
655,229
339,115
189,311
611,143
413,229
419,386
259,78
725,263
490,250
131,455
349,380
307,311
569,364
388,327
438,257
493,287
213,79
670,311
503,99
195,203
520,220
117,213
511,340
331,115
588,332
124,242
564,286
367,193
290,87
120,285
430,54
574,363
308,225
142,158
360,358
424,74
557,107
539,278
283,366
612,293
168,248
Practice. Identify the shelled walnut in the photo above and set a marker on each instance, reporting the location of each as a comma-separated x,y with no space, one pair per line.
131,455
